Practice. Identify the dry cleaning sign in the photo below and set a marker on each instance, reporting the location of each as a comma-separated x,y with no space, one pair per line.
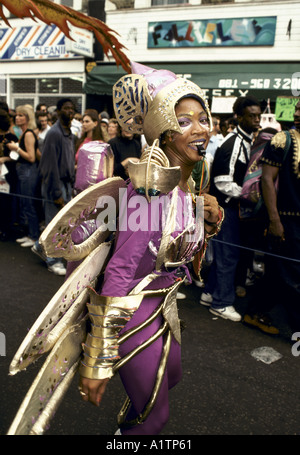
32,42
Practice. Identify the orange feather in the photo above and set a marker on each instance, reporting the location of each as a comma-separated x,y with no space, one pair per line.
59,15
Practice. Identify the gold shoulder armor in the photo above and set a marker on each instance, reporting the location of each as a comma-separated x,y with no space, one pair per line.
279,140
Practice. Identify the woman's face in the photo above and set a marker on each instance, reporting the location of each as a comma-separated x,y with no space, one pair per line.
21,119
194,123
88,124
112,129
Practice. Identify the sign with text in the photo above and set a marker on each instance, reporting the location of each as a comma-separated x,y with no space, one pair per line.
250,31
33,42
81,43
285,108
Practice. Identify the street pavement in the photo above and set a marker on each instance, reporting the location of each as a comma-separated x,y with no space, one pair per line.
225,389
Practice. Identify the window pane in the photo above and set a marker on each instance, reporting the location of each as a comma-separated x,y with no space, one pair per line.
71,85
211,2
23,85
167,2
22,101
67,3
49,85
52,101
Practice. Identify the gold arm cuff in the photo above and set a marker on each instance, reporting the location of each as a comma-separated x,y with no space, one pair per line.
108,317
129,302
95,362
95,373
105,332
94,352
97,342
108,321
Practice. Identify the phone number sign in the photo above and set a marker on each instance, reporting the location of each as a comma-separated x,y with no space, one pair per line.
275,83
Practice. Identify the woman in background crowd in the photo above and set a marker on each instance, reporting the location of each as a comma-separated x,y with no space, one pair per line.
113,128
27,171
9,179
90,128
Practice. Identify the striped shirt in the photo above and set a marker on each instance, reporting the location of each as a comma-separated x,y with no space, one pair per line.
229,167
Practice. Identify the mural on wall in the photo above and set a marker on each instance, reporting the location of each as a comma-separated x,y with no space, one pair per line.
251,31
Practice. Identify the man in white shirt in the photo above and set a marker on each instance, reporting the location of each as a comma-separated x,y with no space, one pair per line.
228,171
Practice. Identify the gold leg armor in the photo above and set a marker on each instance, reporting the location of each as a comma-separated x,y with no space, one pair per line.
108,316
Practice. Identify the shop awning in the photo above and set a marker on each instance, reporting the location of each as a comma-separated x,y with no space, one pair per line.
264,80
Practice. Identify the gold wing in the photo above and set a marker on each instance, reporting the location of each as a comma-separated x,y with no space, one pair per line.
60,15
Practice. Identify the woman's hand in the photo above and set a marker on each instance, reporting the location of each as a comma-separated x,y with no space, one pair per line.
211,208
4,159
92,389
12,146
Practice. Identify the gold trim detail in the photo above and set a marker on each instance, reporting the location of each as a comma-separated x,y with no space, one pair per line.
279,140
152,174
295,135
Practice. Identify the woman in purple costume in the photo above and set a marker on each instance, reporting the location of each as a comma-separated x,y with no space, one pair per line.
153,245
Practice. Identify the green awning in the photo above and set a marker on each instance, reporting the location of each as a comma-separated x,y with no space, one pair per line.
100,80
267,79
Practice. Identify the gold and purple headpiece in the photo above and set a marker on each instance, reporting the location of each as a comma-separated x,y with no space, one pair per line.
144,101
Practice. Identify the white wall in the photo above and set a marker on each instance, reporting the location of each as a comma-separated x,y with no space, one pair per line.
132,25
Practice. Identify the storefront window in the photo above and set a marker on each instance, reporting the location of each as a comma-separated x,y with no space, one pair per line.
2,86
35,90
52,101
214,2
167,2
23,85
24,100
71,85
50,85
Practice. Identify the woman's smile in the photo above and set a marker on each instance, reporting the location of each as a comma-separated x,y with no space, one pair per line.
183,149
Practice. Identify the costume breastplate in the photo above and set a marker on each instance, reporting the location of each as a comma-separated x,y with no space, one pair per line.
179,247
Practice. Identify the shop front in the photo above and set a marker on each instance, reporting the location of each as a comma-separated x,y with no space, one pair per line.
221,82
39,65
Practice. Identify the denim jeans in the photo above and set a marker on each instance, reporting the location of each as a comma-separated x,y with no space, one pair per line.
27,186
51,210
221,280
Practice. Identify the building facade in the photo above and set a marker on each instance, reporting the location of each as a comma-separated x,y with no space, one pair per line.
228,47
40,65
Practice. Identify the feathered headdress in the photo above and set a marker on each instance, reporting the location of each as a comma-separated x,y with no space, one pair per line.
144,103
145,100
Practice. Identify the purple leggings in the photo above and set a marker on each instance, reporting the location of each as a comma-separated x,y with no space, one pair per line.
139,374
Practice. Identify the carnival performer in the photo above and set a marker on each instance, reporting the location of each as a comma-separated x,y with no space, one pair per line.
152,248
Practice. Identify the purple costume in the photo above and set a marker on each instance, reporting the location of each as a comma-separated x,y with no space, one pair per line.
151,251
133,259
